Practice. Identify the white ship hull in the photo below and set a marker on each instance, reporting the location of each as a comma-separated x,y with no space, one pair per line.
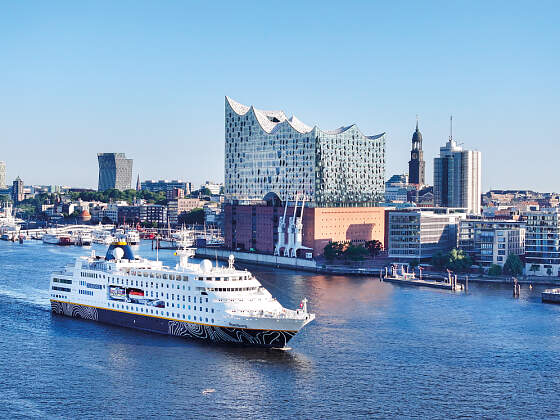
221,305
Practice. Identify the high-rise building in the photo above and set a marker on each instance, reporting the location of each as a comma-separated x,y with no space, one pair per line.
115,171
17,191
457,177
416,165
2,175
267,152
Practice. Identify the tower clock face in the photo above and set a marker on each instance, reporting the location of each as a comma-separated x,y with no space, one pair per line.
414,156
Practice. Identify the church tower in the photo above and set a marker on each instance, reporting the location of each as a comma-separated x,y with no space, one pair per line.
416,165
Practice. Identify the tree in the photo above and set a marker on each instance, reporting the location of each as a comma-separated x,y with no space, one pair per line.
495,270
374,247
355,253
459,261
440,260
413,264
334,250
195,216
534,268
549,271
513,265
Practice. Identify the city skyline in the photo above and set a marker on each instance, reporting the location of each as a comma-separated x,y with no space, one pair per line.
163,106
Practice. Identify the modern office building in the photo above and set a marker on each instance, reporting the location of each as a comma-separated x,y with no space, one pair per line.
420,233
489,242
542,242
2,175
115,171
267,152
165,185
18,194
416,165
457,177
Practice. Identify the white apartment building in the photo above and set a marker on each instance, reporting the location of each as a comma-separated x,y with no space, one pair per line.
419,233
542,243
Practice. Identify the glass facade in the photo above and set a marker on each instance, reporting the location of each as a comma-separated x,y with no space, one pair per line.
115,171
266,152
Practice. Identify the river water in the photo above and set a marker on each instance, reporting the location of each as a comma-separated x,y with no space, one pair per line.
375,350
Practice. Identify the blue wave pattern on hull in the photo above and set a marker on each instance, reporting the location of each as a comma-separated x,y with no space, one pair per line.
219,335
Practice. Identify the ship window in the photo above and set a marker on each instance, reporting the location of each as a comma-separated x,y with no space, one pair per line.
206,300
206,309
145,274
212,320
189,307
189,317
212,312
194,307
171,277
206,319
165,276
195,317
152,275
167,313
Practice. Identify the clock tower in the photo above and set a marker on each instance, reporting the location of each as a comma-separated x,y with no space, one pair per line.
416,165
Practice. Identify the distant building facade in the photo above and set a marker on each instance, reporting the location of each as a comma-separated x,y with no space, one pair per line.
115,171
457,178
179,206
155,213
165,185
397,188
267,152
18,194
418,234
416,165
542,242
213,187
255,227
490,242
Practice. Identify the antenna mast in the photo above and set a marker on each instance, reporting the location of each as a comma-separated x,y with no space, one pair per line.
451,128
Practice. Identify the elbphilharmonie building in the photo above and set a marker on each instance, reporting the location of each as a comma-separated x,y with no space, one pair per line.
267,152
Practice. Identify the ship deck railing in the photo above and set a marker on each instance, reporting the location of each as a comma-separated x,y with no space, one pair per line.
288,314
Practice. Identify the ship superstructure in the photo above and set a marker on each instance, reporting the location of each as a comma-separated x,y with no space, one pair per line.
218,304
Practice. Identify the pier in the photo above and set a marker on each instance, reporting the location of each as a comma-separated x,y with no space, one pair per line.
400,275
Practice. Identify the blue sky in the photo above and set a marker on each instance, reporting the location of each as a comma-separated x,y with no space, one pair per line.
149,79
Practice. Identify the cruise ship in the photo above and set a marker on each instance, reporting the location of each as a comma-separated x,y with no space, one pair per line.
201,301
